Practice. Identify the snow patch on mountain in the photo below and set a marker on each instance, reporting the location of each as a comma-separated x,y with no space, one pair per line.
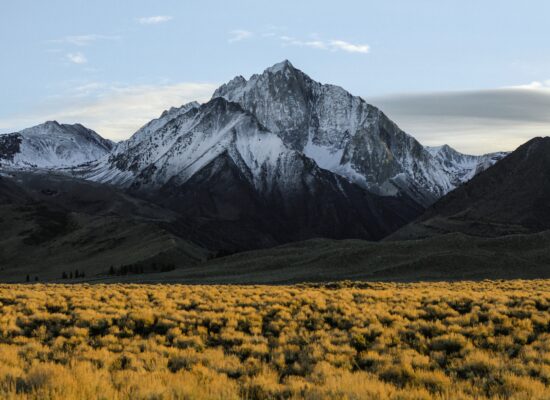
52,145
326,157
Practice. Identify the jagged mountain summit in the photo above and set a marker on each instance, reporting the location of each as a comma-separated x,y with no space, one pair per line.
463,167
346,135
509,198
218,163
180,143
52,145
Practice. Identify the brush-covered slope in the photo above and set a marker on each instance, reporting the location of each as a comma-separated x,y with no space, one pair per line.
443,258
51,223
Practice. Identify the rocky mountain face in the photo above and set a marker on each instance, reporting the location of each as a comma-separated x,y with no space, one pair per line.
217,165
346,135
462,167
52,145
509,198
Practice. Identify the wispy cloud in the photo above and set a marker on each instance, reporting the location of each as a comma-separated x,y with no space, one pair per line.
239,34
276,33
331,45
113,110
157,19
77,58
349,47
316,44
83,40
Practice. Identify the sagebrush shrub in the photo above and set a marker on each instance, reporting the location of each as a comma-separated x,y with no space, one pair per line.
462,340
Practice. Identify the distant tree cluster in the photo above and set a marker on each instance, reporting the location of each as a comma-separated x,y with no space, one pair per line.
28,278
140,268
70,275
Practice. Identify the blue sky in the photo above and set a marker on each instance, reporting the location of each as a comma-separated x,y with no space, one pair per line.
431,65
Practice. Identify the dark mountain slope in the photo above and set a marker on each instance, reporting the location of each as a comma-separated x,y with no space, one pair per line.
511,197
51,223
236,217
447,257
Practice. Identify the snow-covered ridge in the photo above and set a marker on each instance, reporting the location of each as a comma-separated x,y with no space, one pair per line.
181,146
346,135
463,167
52,145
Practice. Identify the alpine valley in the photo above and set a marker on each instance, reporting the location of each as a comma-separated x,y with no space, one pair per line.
304,180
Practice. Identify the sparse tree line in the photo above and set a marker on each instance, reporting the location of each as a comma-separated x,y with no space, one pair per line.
29,279
130,269
70,275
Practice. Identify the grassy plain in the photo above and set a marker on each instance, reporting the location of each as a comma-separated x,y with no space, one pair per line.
462,340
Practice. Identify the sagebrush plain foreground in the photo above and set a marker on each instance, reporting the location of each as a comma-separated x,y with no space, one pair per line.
465,340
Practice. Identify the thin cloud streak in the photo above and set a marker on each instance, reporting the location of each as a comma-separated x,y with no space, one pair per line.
316,44
157,19
331,45
334,45
349,47
84,40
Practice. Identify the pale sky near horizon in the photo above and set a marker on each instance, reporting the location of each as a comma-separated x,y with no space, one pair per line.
475,75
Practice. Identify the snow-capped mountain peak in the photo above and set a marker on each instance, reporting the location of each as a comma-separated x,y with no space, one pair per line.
280,66
174,111
218,161
52,145
156,124
342,133
462,167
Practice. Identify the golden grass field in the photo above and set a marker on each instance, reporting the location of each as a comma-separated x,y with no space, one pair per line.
465,340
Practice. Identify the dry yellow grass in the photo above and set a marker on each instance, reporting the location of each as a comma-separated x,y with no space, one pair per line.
485,340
